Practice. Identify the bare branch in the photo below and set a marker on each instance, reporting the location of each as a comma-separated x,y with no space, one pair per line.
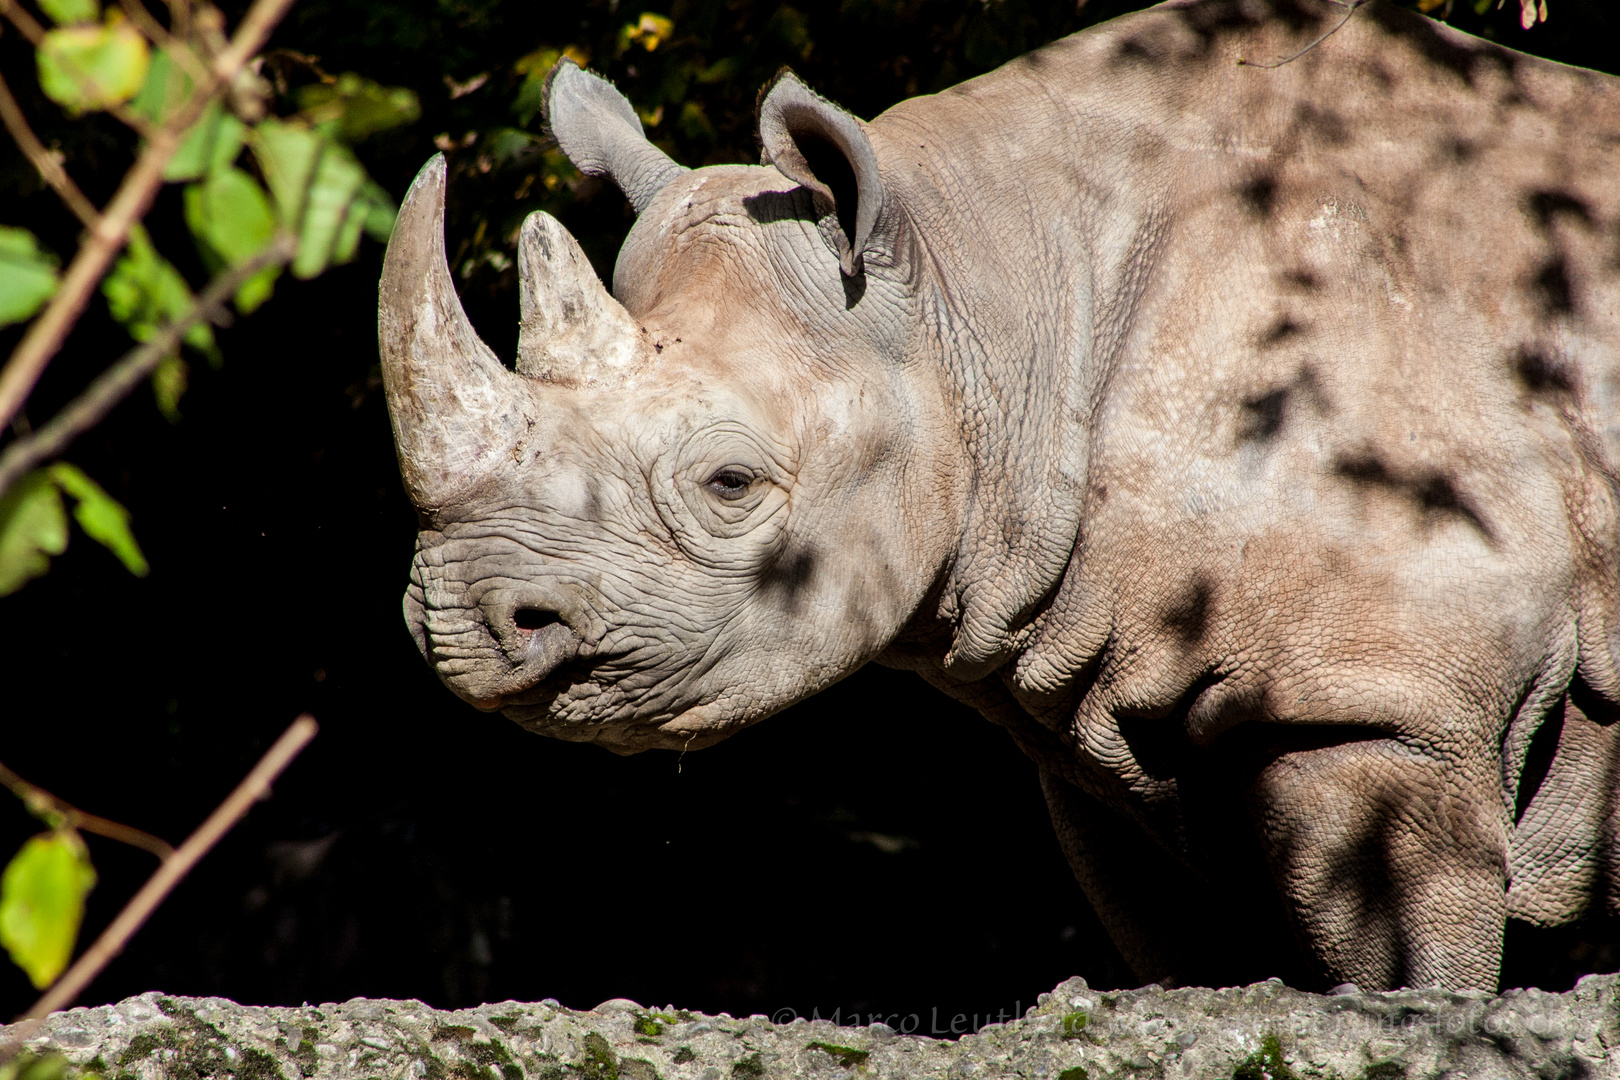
25,23
176,46
37,799
50,170
255,786
113,385
1351,5
45,335
147,25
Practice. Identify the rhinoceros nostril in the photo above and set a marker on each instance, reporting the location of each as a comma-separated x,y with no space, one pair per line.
534,618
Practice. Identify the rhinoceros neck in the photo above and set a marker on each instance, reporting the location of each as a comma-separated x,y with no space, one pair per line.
1028,263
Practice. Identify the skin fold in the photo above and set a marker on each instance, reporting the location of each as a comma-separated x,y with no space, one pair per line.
1241,438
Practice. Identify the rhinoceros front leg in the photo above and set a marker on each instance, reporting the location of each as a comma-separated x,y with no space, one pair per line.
1393,859
1171,924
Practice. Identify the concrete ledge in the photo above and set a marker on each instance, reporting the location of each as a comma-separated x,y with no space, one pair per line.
1259,1032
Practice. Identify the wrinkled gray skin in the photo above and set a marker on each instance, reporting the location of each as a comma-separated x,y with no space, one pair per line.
1242,439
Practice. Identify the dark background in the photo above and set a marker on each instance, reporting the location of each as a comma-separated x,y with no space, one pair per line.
877,848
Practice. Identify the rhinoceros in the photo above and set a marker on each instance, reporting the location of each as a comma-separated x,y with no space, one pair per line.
1225,400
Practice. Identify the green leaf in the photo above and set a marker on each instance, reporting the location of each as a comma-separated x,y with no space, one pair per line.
287,153
356,107
169,382
321,192
101,516
42,895
33,527
31,1066
506,143
167,85
347,240
534,68
230,216
144,292
380,212
63,12
212,143
338,178
27,275
83,68
257,289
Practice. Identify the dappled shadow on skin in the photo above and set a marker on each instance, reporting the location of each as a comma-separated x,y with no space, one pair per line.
1541,376
787,581
1222,861
1432,493
797,204
1210,22
1188,615
1265,415
1258,194
1322,122
1469,62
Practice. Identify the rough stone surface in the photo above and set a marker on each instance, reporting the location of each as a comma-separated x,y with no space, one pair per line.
1260,1032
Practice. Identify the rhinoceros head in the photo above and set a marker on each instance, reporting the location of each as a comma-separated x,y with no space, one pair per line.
686,508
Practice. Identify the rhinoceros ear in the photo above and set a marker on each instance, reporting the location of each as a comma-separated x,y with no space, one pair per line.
600,132
815,143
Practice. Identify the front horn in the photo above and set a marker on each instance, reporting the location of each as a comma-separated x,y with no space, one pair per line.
456,410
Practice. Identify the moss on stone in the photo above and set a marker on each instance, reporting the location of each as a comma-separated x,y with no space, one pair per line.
508,1023
636,1069
493,1054
598,1061
1078,1072
306,1056
201,1051
452,1033
644,1024
749,1067
847,1056
1265,1063
1385,1070
683,1054
1074,1023
142,1046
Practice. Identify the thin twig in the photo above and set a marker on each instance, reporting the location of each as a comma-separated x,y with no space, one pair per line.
180,18
46,334
25,23
37,799
155,32
113,385
147,25
1352,5
50,170
255,786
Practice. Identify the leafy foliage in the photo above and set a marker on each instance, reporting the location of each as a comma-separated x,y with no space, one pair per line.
34,524
27,275
33,528
93,66
30,1066
42,894
247,178
145,292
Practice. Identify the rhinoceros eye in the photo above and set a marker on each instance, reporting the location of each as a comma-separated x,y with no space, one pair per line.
730,483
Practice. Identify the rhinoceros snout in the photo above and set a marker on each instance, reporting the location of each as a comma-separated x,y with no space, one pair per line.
521,636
